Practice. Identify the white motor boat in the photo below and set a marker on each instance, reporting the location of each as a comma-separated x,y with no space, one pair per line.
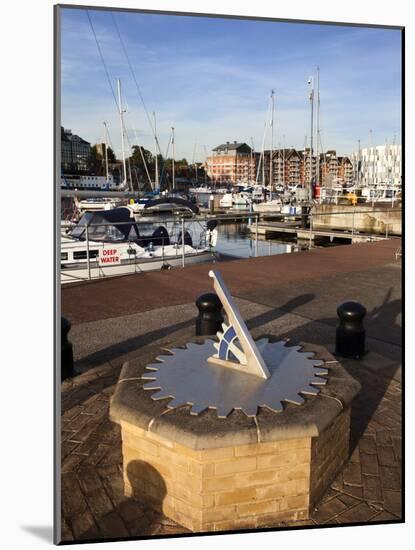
240,200
95,204
272,206
110,243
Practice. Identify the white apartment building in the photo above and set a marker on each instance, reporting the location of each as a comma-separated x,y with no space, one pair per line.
378,165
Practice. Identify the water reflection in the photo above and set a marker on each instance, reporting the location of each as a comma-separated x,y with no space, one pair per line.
236,240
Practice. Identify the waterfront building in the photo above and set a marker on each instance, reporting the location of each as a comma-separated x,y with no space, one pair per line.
305,167
74,153
286,166
345,170
232,163
292,166
236,163
329,168
335,169
381,164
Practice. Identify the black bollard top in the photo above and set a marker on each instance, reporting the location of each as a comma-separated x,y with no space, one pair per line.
65,326
351,311
208,302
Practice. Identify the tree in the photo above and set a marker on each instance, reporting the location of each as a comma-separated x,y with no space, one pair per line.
136,158
111,155
96,160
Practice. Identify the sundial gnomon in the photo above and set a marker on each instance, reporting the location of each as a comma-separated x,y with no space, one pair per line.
236,372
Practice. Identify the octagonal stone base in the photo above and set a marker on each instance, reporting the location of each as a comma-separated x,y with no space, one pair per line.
211,474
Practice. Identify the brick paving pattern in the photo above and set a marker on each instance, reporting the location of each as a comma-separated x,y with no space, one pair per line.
93,501
108,332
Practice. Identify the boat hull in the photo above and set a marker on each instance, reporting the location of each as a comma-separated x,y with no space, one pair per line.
79,272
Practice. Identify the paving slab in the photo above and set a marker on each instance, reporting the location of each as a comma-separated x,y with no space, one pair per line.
106,298
293,297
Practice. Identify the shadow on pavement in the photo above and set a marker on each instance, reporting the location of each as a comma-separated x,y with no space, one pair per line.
120,349
374,382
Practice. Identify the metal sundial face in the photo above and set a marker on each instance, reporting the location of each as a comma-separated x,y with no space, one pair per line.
236,372
189,378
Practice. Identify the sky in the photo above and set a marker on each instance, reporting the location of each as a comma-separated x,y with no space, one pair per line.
211,79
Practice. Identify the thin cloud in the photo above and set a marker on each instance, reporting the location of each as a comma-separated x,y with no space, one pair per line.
211,79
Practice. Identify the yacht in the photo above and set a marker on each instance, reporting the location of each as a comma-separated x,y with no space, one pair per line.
110,242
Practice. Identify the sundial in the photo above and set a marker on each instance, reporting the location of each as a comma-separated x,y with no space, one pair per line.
234,372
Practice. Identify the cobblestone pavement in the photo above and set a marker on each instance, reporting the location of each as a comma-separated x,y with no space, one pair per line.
93,503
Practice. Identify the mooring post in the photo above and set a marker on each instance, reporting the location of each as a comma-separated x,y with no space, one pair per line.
304,217
210,318
387,223
87,252
183,261
212,204
311,229
351,334
256,235
67,369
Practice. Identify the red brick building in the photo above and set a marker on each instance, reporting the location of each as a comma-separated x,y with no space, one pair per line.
232,163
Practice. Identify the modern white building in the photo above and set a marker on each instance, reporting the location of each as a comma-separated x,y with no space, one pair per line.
378,165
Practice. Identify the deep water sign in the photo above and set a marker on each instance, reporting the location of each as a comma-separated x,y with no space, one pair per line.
109,256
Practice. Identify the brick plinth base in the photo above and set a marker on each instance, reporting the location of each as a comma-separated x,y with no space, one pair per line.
226,488
213,474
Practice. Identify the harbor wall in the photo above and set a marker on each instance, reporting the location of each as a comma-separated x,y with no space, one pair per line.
364,218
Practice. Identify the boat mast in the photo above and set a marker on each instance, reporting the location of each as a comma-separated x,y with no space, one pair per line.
121,111
106,151
194,159
172,142
372,155
283,160
251,179
318,129
206,165
272,143
311,97
156,176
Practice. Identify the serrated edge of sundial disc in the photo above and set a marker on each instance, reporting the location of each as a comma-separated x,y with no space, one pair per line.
148,377
151,386
176,403
310,390
272,408
199,408
223,412
168,350
191,345
248,412
161,394
294,400
262,341
320,381
291,348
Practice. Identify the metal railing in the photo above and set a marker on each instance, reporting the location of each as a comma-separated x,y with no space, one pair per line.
353,214
181,225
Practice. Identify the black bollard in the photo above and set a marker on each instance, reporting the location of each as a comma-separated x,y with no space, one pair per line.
210,319
304,216
212,204
351,334
67,369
